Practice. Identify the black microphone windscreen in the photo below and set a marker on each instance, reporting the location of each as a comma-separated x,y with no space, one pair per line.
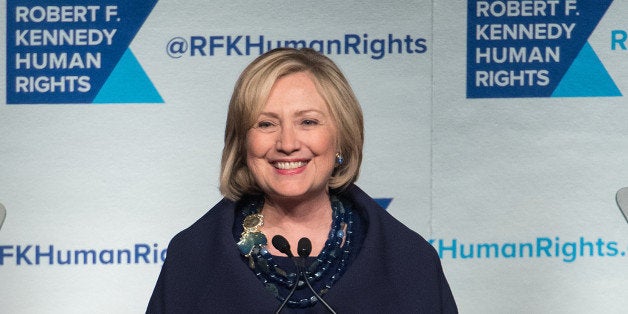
305,247
282,245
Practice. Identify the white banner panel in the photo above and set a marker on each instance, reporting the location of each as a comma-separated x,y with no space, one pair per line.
526,168
112,129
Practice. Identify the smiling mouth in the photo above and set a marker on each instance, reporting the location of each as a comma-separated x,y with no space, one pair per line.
289,165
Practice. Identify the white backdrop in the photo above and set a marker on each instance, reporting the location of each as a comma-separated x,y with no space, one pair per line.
126,177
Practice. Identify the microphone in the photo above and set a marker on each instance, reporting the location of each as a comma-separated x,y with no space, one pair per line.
282,245
304,249
3,214
622,201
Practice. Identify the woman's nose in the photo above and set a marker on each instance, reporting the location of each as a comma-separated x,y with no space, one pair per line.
288,140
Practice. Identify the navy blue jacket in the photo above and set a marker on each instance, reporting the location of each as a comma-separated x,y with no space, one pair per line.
396,270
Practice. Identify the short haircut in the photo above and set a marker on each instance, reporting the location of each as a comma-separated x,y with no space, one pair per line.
250,95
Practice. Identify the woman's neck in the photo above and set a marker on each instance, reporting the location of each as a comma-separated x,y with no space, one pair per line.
294,219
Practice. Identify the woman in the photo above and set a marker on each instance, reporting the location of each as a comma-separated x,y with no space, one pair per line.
293,148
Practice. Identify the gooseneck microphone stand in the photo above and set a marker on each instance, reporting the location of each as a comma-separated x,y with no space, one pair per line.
282,245
304,249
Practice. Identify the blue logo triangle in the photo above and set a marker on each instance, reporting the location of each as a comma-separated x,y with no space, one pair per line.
128,83
383,202
586,77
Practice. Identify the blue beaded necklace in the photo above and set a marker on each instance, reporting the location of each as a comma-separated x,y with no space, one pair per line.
330,263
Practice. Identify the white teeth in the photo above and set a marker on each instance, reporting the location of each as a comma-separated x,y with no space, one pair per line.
289,165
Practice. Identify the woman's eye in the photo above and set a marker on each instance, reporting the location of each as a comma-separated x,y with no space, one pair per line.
309,122
264,124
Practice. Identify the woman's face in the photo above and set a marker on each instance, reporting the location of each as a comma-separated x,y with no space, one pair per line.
292,146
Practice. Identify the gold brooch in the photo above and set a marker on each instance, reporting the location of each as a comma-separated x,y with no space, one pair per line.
251,236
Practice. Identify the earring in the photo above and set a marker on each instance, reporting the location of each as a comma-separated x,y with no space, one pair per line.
339,159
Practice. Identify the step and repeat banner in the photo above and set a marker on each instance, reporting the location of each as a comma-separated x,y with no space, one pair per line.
496,129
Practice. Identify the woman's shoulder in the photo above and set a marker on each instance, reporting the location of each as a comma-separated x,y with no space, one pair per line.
217,220
383,227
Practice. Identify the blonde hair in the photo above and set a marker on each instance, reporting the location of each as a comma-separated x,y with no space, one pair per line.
250,95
